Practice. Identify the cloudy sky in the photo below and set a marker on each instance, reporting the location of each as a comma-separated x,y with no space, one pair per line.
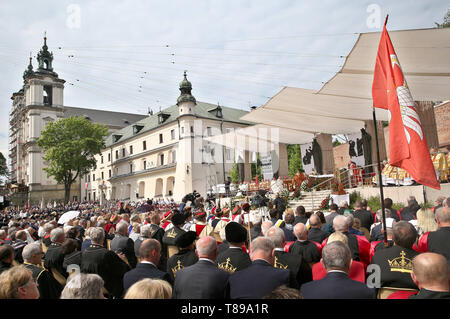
130,55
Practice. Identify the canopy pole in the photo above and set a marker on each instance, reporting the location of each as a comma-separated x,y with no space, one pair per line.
380,179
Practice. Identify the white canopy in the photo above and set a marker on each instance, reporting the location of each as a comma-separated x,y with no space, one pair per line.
303,122
423,54
260,138
344,102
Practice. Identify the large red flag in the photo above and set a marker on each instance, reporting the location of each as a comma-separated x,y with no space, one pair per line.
407,144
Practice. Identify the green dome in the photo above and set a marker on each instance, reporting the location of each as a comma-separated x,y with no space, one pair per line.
185,89
185,84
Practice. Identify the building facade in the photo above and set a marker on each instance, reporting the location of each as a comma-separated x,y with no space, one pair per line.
161,155
166,155
39,102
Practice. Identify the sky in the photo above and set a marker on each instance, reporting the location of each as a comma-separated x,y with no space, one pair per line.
130,55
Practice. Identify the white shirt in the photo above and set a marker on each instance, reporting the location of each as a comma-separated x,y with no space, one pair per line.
148,262
207,259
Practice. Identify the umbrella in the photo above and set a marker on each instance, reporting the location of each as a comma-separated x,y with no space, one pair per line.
68,216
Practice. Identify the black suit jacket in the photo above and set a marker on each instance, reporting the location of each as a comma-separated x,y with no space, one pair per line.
390,260
203,280
257,280
54,258
49,287
336,285
307,249
105,263
317,235
300,219
143,270
233,259
429,294
126,245
365,217
300,270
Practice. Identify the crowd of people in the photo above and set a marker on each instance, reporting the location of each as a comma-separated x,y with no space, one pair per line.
166,250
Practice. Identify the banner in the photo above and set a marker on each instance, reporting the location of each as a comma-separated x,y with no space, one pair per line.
266,166
307,157
356,150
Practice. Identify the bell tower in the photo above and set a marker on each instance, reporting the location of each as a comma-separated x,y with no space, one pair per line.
43,87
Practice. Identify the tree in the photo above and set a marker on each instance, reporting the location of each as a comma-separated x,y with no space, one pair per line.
294,159
234,173
3,167
70,146
446,22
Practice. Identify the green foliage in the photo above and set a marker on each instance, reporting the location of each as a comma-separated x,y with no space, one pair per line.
426,205
3,166
70,146
234,173
354,197
294,159
398,206
336,143
256,168
446,21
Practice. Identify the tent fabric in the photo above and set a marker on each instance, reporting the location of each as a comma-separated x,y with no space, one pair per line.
305,101
424,56
260,138
304,122
345,101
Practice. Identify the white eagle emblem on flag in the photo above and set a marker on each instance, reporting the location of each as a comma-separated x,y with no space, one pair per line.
409,114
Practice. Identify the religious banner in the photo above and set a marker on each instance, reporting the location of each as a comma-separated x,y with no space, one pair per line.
356,150
266,166
307,157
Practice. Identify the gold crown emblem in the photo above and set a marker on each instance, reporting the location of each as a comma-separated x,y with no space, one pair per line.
401,264
279,265
176,268
227,266
172,233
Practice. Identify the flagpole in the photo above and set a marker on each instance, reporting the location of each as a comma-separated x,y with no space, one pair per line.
380,179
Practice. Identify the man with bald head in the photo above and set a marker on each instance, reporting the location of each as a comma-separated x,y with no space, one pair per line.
302,246
150,254
430,272
315,231
438,241
203,280
261,278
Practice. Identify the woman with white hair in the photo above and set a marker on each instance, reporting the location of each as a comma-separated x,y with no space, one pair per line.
83,286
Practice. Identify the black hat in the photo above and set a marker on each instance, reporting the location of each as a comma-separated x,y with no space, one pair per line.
178,219
185,239
235,233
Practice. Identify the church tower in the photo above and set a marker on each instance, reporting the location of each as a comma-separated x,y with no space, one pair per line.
43,87
43,91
